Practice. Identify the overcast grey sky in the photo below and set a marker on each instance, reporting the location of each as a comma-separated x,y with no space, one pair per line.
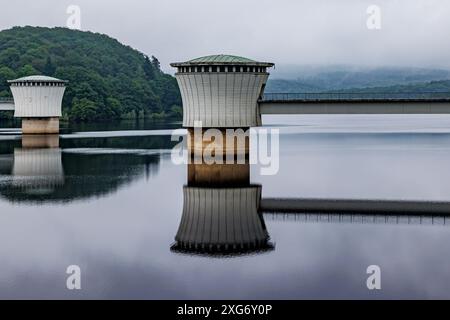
320,32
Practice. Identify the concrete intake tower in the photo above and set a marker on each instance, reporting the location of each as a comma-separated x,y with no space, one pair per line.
38,101
221,91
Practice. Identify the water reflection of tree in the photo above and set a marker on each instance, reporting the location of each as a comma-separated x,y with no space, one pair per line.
140,142
131,142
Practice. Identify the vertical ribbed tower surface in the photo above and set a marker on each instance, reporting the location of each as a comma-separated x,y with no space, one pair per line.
38,101
221,91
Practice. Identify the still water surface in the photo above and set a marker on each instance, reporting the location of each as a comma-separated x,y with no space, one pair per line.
115,204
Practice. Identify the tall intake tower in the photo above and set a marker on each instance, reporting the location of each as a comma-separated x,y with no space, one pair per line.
38,102
221,91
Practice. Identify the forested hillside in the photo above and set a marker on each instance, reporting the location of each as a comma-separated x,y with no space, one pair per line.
108,80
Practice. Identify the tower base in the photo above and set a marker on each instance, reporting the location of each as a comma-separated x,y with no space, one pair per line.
218,142
40,125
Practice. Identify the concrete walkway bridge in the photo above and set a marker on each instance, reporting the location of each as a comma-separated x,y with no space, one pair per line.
355,103
7,104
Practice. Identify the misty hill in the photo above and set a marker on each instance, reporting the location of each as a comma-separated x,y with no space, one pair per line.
108,80
320,79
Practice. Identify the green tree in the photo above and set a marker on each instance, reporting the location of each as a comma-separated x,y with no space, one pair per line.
149,69
156,64
107,80
83,110
5,75
49,68
27,70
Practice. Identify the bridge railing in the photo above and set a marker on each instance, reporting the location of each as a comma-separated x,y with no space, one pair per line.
356,96
6,100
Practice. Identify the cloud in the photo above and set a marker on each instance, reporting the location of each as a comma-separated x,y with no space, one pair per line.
319,32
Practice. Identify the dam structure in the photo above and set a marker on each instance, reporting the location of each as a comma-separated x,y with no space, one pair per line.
223,91
37,101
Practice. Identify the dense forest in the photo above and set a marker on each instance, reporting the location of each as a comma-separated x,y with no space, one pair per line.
108,80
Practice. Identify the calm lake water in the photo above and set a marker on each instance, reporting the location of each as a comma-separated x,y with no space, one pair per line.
108,198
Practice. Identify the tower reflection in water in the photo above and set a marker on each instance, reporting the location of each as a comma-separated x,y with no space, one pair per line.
47,169
38,167
221,213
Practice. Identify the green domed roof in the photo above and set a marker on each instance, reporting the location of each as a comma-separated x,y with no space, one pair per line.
220,59
36,79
